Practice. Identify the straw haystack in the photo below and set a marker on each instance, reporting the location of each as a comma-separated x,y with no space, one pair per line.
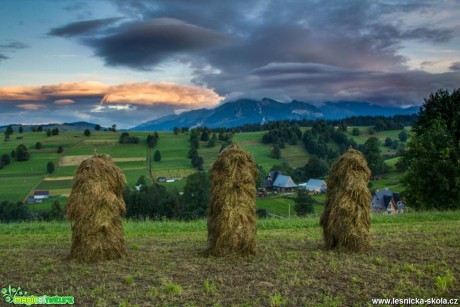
232,214
346,218
94,209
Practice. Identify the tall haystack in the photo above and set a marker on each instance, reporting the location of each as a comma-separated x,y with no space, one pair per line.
94,209
232,214
346,218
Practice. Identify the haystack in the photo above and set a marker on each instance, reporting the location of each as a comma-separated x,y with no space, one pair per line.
94,209
346,218
232,214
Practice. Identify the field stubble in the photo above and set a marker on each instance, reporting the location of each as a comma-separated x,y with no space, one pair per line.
166,264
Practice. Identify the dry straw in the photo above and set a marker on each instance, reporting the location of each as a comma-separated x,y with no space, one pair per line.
94,209
346,217
232,215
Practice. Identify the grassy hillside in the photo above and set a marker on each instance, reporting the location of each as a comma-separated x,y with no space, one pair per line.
413,255
20,179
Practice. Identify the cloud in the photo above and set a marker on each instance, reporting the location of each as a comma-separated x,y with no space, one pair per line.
82,27
142,45
13,45
21,93
150,94
74,89
146,94
10,46
455,66
31,106
64,101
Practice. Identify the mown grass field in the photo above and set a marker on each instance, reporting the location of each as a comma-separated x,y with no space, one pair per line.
413,255
20,179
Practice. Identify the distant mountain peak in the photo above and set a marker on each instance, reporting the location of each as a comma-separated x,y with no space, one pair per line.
250,111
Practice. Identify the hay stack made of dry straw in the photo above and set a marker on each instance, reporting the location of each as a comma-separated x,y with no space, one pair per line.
346,218
94,209
232,215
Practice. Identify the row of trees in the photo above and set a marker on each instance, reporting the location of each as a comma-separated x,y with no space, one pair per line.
15,212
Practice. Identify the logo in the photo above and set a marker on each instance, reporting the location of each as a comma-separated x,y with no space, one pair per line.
20,297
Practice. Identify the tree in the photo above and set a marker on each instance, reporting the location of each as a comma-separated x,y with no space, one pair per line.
276,152
55,131
56,212
21,153
372,153
260,181
355,132
5,159
432,155
60,149
9,130
50,167
21,129
176,130
97,127
304,203
87,132
48,132
114,127
157,156
388,142
196,195
205,135
38,145
403,136
315,167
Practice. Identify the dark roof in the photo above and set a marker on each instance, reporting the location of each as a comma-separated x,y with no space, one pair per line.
37,193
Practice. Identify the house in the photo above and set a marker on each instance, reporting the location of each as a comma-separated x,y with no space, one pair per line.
161,179
41,195
284,183
386,200
315,186
271,177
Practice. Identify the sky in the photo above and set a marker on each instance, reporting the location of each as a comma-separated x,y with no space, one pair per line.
129,61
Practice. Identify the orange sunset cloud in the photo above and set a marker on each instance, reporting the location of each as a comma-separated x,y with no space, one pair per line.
152,93
146,93
31,106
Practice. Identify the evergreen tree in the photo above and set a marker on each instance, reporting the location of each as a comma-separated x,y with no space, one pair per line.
87,132
157,156
276,152
50,167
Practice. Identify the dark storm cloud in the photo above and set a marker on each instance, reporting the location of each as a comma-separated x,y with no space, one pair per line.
82,27
455,66
308,49
144,44
3,57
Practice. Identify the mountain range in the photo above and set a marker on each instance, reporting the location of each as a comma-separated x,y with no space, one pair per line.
249,111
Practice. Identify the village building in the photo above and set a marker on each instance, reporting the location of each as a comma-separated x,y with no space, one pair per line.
387,201
314,186
284,184
41,195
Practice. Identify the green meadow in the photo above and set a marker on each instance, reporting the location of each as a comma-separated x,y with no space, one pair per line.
18,180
